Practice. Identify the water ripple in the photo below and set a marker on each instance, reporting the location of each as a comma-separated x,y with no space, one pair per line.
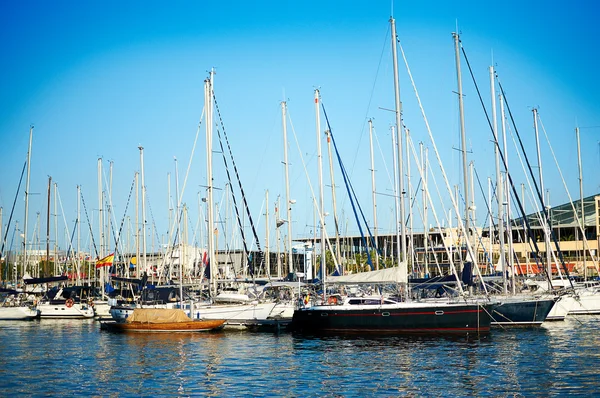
74,358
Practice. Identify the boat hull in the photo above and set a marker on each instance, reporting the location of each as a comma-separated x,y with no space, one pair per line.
521,312
63,311
168,327
401,318
18,313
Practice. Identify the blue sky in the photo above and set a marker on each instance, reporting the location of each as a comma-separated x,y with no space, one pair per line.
99,79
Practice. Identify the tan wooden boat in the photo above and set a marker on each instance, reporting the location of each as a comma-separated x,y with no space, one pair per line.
161,320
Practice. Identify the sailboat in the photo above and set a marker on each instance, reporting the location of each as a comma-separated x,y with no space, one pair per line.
14,307
390,315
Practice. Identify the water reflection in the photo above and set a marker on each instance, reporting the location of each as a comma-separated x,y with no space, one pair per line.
73,357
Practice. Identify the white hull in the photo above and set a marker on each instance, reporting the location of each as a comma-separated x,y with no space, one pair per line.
246,315
587,302
62,311
561,308
17,313
101,309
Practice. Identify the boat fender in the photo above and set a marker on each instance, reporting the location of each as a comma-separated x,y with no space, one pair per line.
69,303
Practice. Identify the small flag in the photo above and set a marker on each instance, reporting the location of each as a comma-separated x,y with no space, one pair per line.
106,261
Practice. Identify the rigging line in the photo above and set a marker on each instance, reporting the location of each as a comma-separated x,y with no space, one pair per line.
89,223
233,196
546,213
348,188
64,218
365,119
500,152
313,196
372,240
246,207
118,236
483,194
577,219
437,220
12,210
387,171
439,160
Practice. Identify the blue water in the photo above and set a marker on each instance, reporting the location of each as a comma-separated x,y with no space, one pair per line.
75,358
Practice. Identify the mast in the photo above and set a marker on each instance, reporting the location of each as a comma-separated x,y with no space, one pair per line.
463,137
47,263
373,193
277,237
209,184
424,168
321,200
399,141
581,202
491,227
546,226
109,212
396,194
137,225
25,258
499,185
333,199
511,263
169,201
100,225
267,226
179,234
56,233
411,241
144,264
288,200
79,231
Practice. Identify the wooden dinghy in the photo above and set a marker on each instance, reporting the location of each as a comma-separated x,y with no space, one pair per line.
161,320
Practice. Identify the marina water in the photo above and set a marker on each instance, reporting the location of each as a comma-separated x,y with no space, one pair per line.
75,358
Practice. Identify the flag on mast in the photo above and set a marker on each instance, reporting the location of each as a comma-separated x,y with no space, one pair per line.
106,261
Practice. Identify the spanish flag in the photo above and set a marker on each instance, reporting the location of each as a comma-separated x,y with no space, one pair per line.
106,261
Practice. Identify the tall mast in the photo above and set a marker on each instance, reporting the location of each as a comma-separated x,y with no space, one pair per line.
138,263
510,262
333,199
79,231
277,237
56,232
288,200
321,200
100,224
581,201
25,258
209,184
373,192
399,141
110,209
144,251
179,229
463,137
267,226
499,185
169,201
47,263
425,209
546,226
396,193
411,243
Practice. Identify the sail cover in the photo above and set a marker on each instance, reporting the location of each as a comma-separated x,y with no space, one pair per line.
386,275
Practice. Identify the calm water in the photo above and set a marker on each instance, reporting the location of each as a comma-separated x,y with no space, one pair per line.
75,358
